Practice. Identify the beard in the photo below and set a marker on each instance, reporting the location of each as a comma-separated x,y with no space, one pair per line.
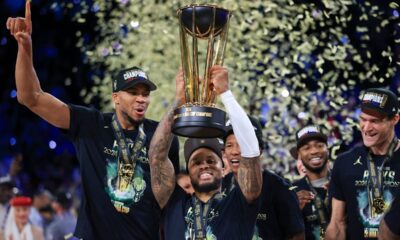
316,170
131,120
208,187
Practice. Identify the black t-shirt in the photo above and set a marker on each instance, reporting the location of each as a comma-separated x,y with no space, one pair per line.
349,182
279,215
230,217
392,217
138,213
310,211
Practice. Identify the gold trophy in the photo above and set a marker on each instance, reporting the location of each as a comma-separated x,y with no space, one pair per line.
201,27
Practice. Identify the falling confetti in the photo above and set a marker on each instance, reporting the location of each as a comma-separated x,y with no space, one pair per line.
291,62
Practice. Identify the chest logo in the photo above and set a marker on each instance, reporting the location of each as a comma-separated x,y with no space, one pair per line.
358,161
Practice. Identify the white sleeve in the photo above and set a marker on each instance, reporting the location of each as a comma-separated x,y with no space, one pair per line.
242,127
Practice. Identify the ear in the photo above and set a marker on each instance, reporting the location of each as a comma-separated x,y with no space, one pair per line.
115,98
396,119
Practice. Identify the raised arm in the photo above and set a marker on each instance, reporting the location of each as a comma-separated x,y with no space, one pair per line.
161,168
337,226
249,172
29,92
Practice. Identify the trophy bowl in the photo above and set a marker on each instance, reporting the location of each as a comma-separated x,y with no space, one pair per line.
203,20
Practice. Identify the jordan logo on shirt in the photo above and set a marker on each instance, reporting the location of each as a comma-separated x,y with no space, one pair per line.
358,161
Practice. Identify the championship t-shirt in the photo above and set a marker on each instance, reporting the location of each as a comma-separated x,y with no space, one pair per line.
229,217
310,211
279,216
349,183
115,204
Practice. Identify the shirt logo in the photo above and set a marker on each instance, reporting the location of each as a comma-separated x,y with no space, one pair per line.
358,161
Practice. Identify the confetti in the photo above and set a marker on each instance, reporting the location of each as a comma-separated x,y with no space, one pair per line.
290,63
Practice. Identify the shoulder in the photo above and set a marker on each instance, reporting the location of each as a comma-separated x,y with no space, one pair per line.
87,114
355,152
270,177
300,182
80,108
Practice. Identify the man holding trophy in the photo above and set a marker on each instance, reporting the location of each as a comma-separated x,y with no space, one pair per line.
206,214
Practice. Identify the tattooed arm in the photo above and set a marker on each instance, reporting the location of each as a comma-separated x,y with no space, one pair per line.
161,168
250,178
249,172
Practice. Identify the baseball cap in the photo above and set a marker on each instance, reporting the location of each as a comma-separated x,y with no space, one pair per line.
192,144
129,77
21,201
380,100
257,128
308,133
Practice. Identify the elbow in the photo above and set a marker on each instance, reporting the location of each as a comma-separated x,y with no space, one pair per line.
252,197
28,101
253,192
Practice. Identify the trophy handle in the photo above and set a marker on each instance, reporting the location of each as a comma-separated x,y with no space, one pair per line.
190,90
220,51
210,50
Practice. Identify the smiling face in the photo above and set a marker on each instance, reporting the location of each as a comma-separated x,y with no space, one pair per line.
132,103
205,170
232,153
314,155
377,131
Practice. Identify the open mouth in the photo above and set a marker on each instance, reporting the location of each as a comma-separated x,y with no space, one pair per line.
139,111
235,162
205,176
369,135
316,161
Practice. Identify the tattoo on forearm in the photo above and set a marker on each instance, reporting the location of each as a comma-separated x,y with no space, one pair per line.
250,178
161,168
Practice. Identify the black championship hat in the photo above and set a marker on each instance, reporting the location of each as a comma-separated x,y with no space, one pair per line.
257,128
308,133
380,100
128,78
192,144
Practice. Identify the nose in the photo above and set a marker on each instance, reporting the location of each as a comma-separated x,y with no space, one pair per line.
141,98
314,150
203,165
235,150
366,126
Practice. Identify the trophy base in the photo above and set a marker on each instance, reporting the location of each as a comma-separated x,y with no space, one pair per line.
199,122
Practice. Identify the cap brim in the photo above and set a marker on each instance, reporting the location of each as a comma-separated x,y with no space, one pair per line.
313,136
148,83
373,110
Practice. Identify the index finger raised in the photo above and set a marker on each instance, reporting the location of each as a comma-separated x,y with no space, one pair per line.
28,10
